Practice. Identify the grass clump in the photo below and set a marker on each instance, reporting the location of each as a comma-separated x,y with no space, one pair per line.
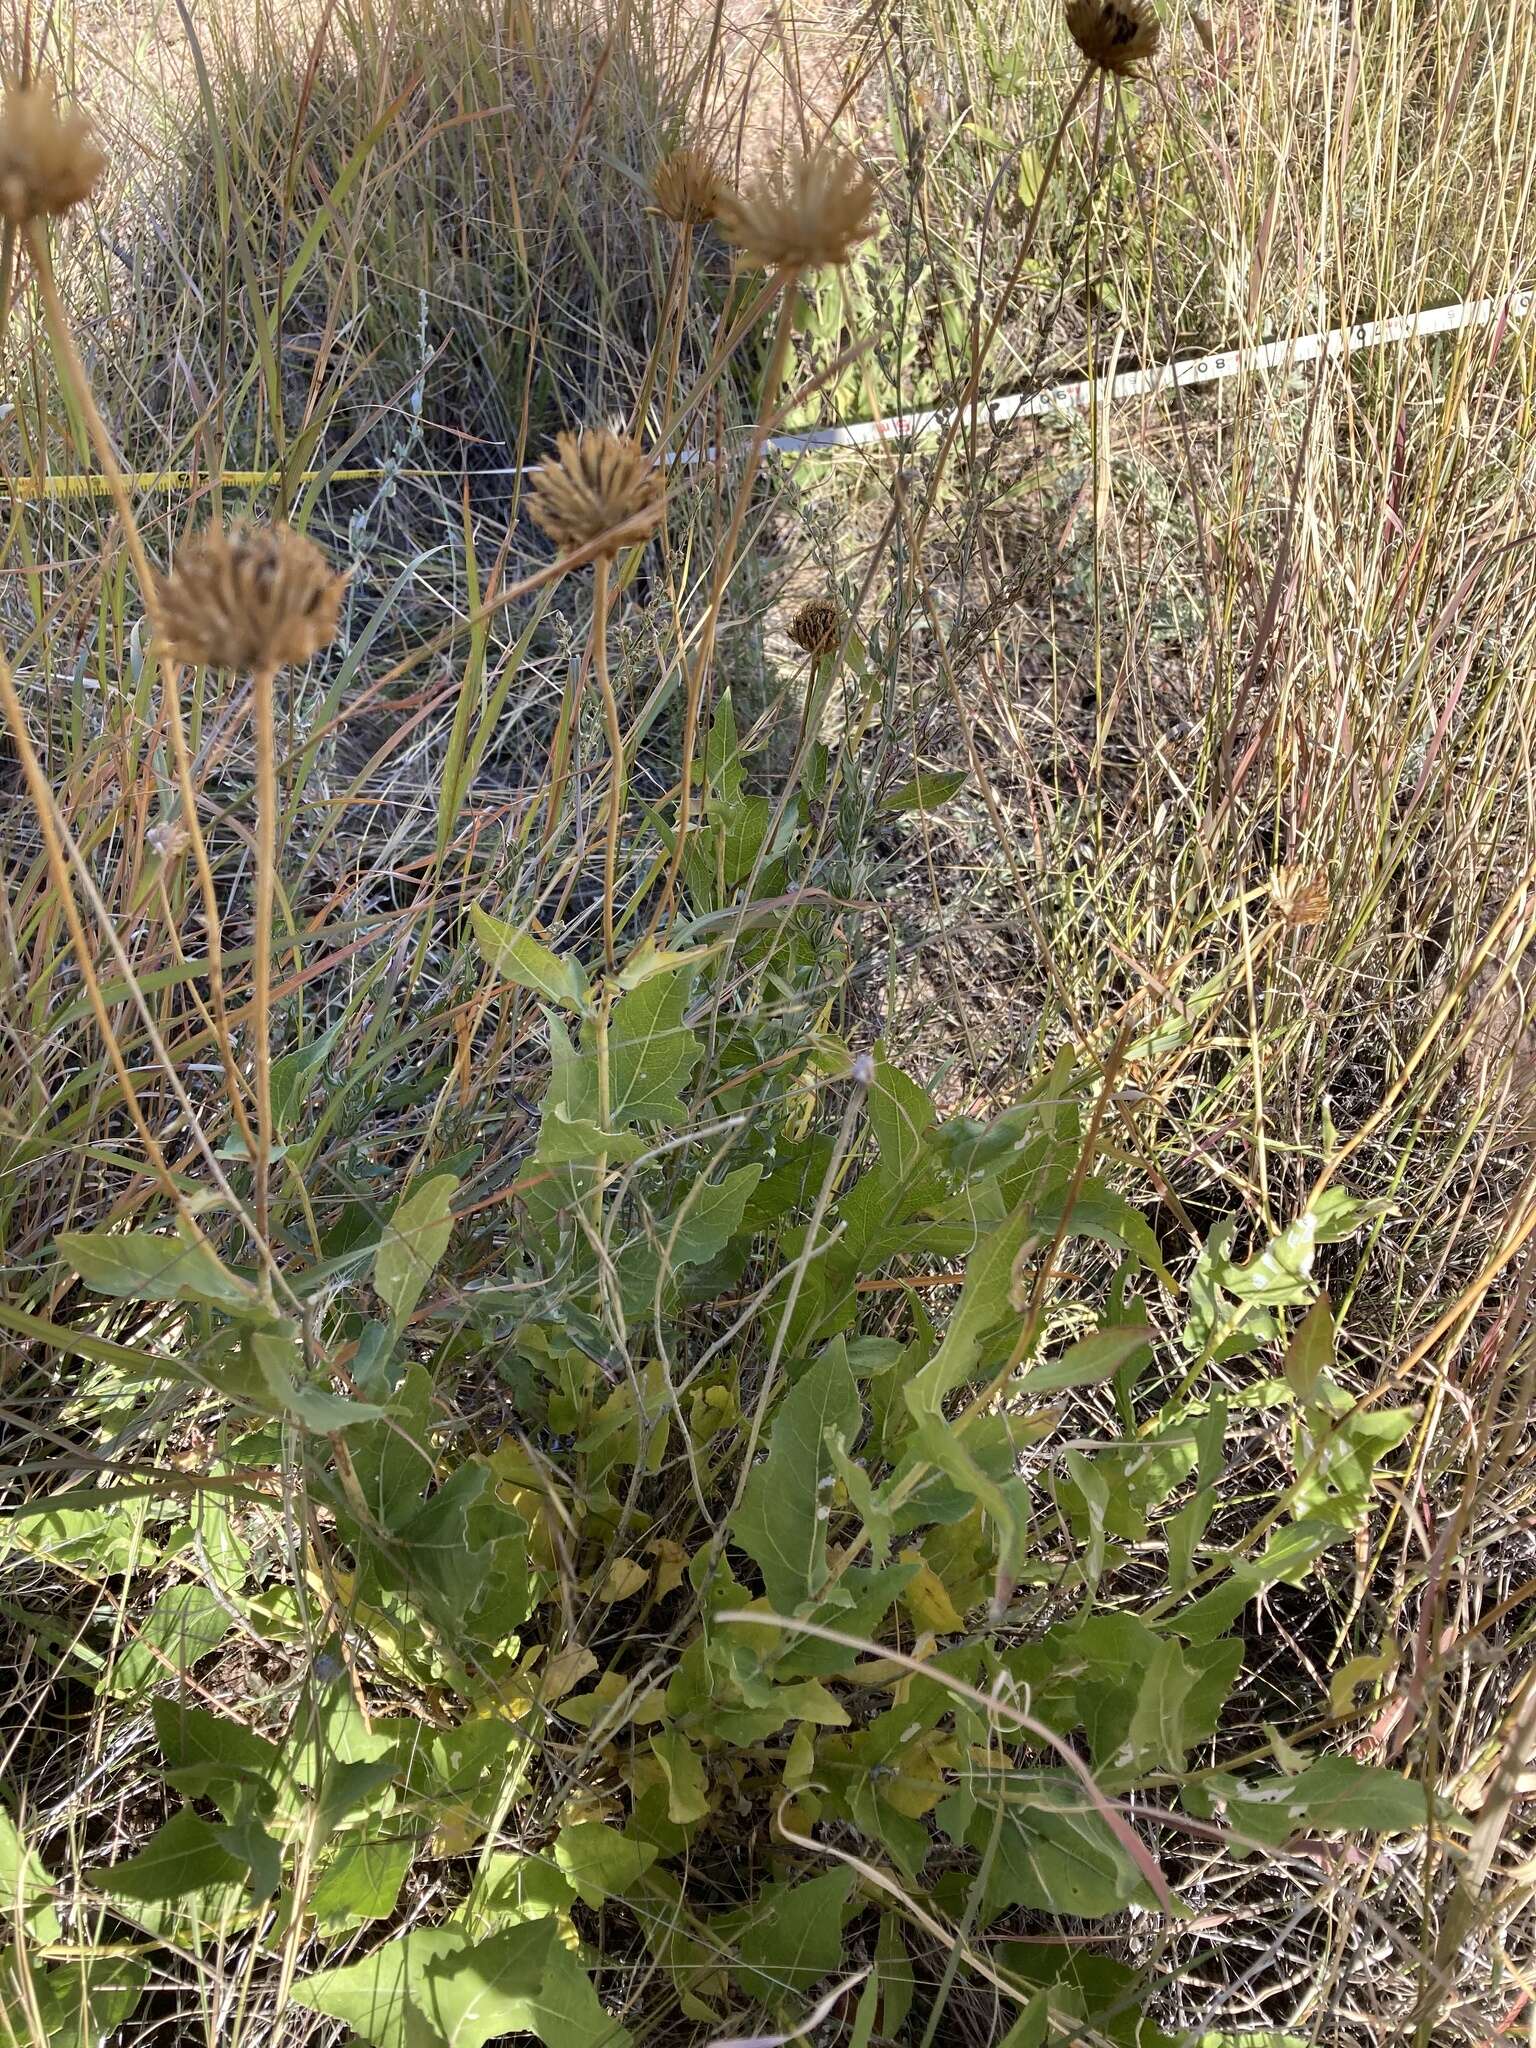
765,1239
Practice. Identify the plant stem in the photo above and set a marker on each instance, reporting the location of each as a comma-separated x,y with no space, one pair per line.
616,778
264,730
106,454
789,283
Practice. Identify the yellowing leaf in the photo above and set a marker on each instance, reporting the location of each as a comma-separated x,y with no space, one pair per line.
687,1789
565,1671
927,1599
622,1580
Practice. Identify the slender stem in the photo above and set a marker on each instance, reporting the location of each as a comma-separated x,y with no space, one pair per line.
789,284
56,847
106,454
264,731
616,779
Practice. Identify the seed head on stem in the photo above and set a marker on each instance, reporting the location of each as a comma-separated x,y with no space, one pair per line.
1114,35
258,597
598,486
687,189
49,160
804,211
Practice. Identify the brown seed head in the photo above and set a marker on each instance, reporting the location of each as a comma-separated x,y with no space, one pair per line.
803,211
1114,35
1299,896
48,160
817,627
597,486
256,597
687,188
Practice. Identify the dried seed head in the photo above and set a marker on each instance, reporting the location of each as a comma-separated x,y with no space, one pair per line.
256,597
48,160
687,188
1114,35
169,838
803,211
1299,896
817,627
597,486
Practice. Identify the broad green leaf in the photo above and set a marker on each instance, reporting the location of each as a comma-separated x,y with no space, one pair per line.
711,1217
1091,1359
209,1757
926,792
438,1989
111,1539
1156,1738
138,1265
790,1937
361,1882
651,1052
183,1626
779,1524
412,1242
1339,1795
184,1874
280,1360
26,1890
985,1303
600,1862
1055,1853
79,2003
1310,1351
687,1786
576,1141
517,956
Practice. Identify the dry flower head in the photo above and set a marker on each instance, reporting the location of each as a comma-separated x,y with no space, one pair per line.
817,627
1299,896
48,158
257,597
688,189
1114,35
805,210
596,486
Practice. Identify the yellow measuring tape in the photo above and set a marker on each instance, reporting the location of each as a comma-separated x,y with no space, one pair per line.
71,486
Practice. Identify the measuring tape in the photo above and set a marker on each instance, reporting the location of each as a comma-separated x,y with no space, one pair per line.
1334,344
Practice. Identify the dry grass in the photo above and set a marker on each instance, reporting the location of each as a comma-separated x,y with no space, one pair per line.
1176,648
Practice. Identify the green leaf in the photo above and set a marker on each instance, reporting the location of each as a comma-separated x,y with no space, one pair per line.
687,1786
438,1989
577,1141
1056,1854
79,2003
651,1052
1339,1795
26,1889
926,792
361,1882
1156,1737
1310,1351
208,1757
1090,1360
185,1623
183,1873
985,1302
790,1937
600,1862
711,1218
779,1524
138,1265
279,1359
413,1240
518,957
